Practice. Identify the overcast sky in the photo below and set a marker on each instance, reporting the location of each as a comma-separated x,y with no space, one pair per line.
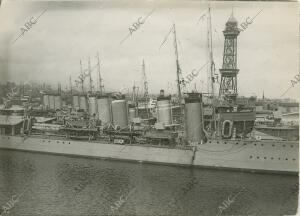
69,31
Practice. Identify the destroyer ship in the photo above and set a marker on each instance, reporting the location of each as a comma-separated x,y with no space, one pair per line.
185,131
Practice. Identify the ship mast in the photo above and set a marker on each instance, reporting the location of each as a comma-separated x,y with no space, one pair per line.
90,76
211,67
210,54
81,77
70,83
179,79
59,88
101,86
178,70
134,93
146,94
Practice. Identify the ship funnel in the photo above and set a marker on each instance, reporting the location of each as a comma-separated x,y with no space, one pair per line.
104,109
193,119
164,112
120,113
162,93
132,112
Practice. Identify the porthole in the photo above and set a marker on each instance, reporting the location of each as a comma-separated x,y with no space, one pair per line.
255,144
272,158
69,143
292,146
273,145
265,158
262,144
286,159
245,143
209,142
294,159
278,158
283,145
225,142
257,157
217,142
236,143
250,156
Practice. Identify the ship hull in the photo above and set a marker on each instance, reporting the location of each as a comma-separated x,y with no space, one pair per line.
259,156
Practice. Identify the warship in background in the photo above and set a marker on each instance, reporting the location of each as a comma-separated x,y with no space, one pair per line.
181,131
278,119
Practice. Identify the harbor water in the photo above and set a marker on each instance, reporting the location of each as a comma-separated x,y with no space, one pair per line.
43,184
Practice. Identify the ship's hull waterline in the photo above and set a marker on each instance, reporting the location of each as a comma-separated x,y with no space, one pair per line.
260,156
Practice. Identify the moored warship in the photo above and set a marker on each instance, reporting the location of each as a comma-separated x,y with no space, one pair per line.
172,132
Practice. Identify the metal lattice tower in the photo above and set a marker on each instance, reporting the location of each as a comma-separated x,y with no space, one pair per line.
229,71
